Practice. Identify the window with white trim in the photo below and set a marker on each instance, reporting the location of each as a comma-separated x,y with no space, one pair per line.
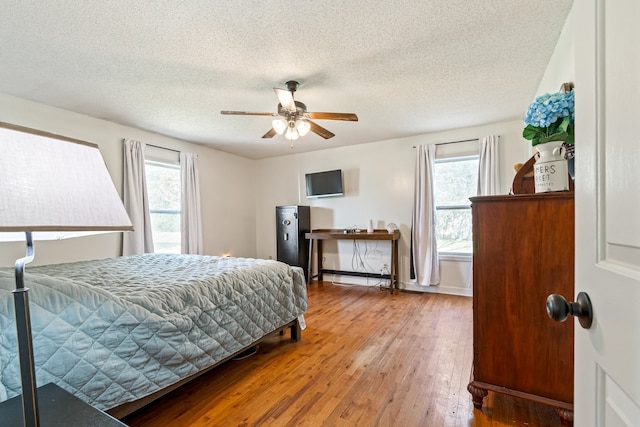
455,180
163,187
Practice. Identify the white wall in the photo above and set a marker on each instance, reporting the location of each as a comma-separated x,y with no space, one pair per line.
561,67
378,179
227,181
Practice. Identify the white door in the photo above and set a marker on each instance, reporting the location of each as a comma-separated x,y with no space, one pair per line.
607,356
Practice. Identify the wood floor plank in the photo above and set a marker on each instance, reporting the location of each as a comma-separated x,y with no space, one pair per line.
367,358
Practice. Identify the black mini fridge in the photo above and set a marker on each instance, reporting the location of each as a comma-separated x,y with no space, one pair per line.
292,222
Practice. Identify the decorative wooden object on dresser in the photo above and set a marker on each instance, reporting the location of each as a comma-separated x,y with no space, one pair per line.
523,251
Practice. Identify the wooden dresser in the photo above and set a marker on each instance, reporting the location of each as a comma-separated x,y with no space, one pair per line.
523,250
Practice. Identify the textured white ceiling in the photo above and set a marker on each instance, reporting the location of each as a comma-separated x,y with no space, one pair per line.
406,67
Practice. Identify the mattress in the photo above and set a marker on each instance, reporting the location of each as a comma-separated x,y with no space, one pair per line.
116,330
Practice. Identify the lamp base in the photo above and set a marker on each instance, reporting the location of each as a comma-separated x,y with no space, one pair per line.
57,407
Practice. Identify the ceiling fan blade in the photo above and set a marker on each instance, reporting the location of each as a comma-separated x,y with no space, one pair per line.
315,128
247,113
270,134
285,98
349,117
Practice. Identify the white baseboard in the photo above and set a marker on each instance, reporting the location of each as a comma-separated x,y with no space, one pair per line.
449,290
411,286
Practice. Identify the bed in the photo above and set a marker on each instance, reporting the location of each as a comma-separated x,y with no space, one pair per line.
121,332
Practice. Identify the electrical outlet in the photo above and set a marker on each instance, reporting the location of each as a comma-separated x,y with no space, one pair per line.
384,269
270,257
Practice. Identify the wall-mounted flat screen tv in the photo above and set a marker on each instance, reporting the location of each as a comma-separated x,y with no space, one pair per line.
324,184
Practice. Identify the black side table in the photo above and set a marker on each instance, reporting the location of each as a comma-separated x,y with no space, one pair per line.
57,407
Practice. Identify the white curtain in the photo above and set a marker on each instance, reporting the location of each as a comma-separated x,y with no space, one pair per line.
489,167
423,234
136,201
191,218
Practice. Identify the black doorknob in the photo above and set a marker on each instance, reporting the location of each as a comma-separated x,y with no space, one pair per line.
559,309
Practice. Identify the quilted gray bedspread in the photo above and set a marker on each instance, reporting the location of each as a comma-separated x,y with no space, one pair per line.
116,330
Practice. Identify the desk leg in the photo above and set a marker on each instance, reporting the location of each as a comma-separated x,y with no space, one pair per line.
309,261
319,258
394,265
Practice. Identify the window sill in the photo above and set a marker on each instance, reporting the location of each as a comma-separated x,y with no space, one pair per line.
455,257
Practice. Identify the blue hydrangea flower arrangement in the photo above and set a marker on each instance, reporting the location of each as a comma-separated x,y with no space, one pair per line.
551,118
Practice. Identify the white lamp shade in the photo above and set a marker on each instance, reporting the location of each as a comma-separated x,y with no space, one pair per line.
303,127
279,125
292,134
55,184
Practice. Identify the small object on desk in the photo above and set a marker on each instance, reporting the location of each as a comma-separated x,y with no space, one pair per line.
59,408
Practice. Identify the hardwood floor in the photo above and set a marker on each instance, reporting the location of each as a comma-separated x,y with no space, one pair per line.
367,358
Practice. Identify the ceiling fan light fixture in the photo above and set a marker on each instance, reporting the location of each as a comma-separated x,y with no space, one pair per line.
280,126
303,127
292,119
292,134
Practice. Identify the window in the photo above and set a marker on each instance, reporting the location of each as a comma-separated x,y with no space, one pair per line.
163,186
455,180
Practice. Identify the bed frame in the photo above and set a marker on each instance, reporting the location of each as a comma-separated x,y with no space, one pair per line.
125,409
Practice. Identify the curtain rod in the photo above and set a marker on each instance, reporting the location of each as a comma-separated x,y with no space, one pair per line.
163,148
455,142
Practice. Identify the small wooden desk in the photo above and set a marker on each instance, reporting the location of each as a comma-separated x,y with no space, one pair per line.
338,234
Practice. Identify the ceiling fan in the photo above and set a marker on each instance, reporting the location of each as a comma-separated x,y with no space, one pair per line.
293,118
